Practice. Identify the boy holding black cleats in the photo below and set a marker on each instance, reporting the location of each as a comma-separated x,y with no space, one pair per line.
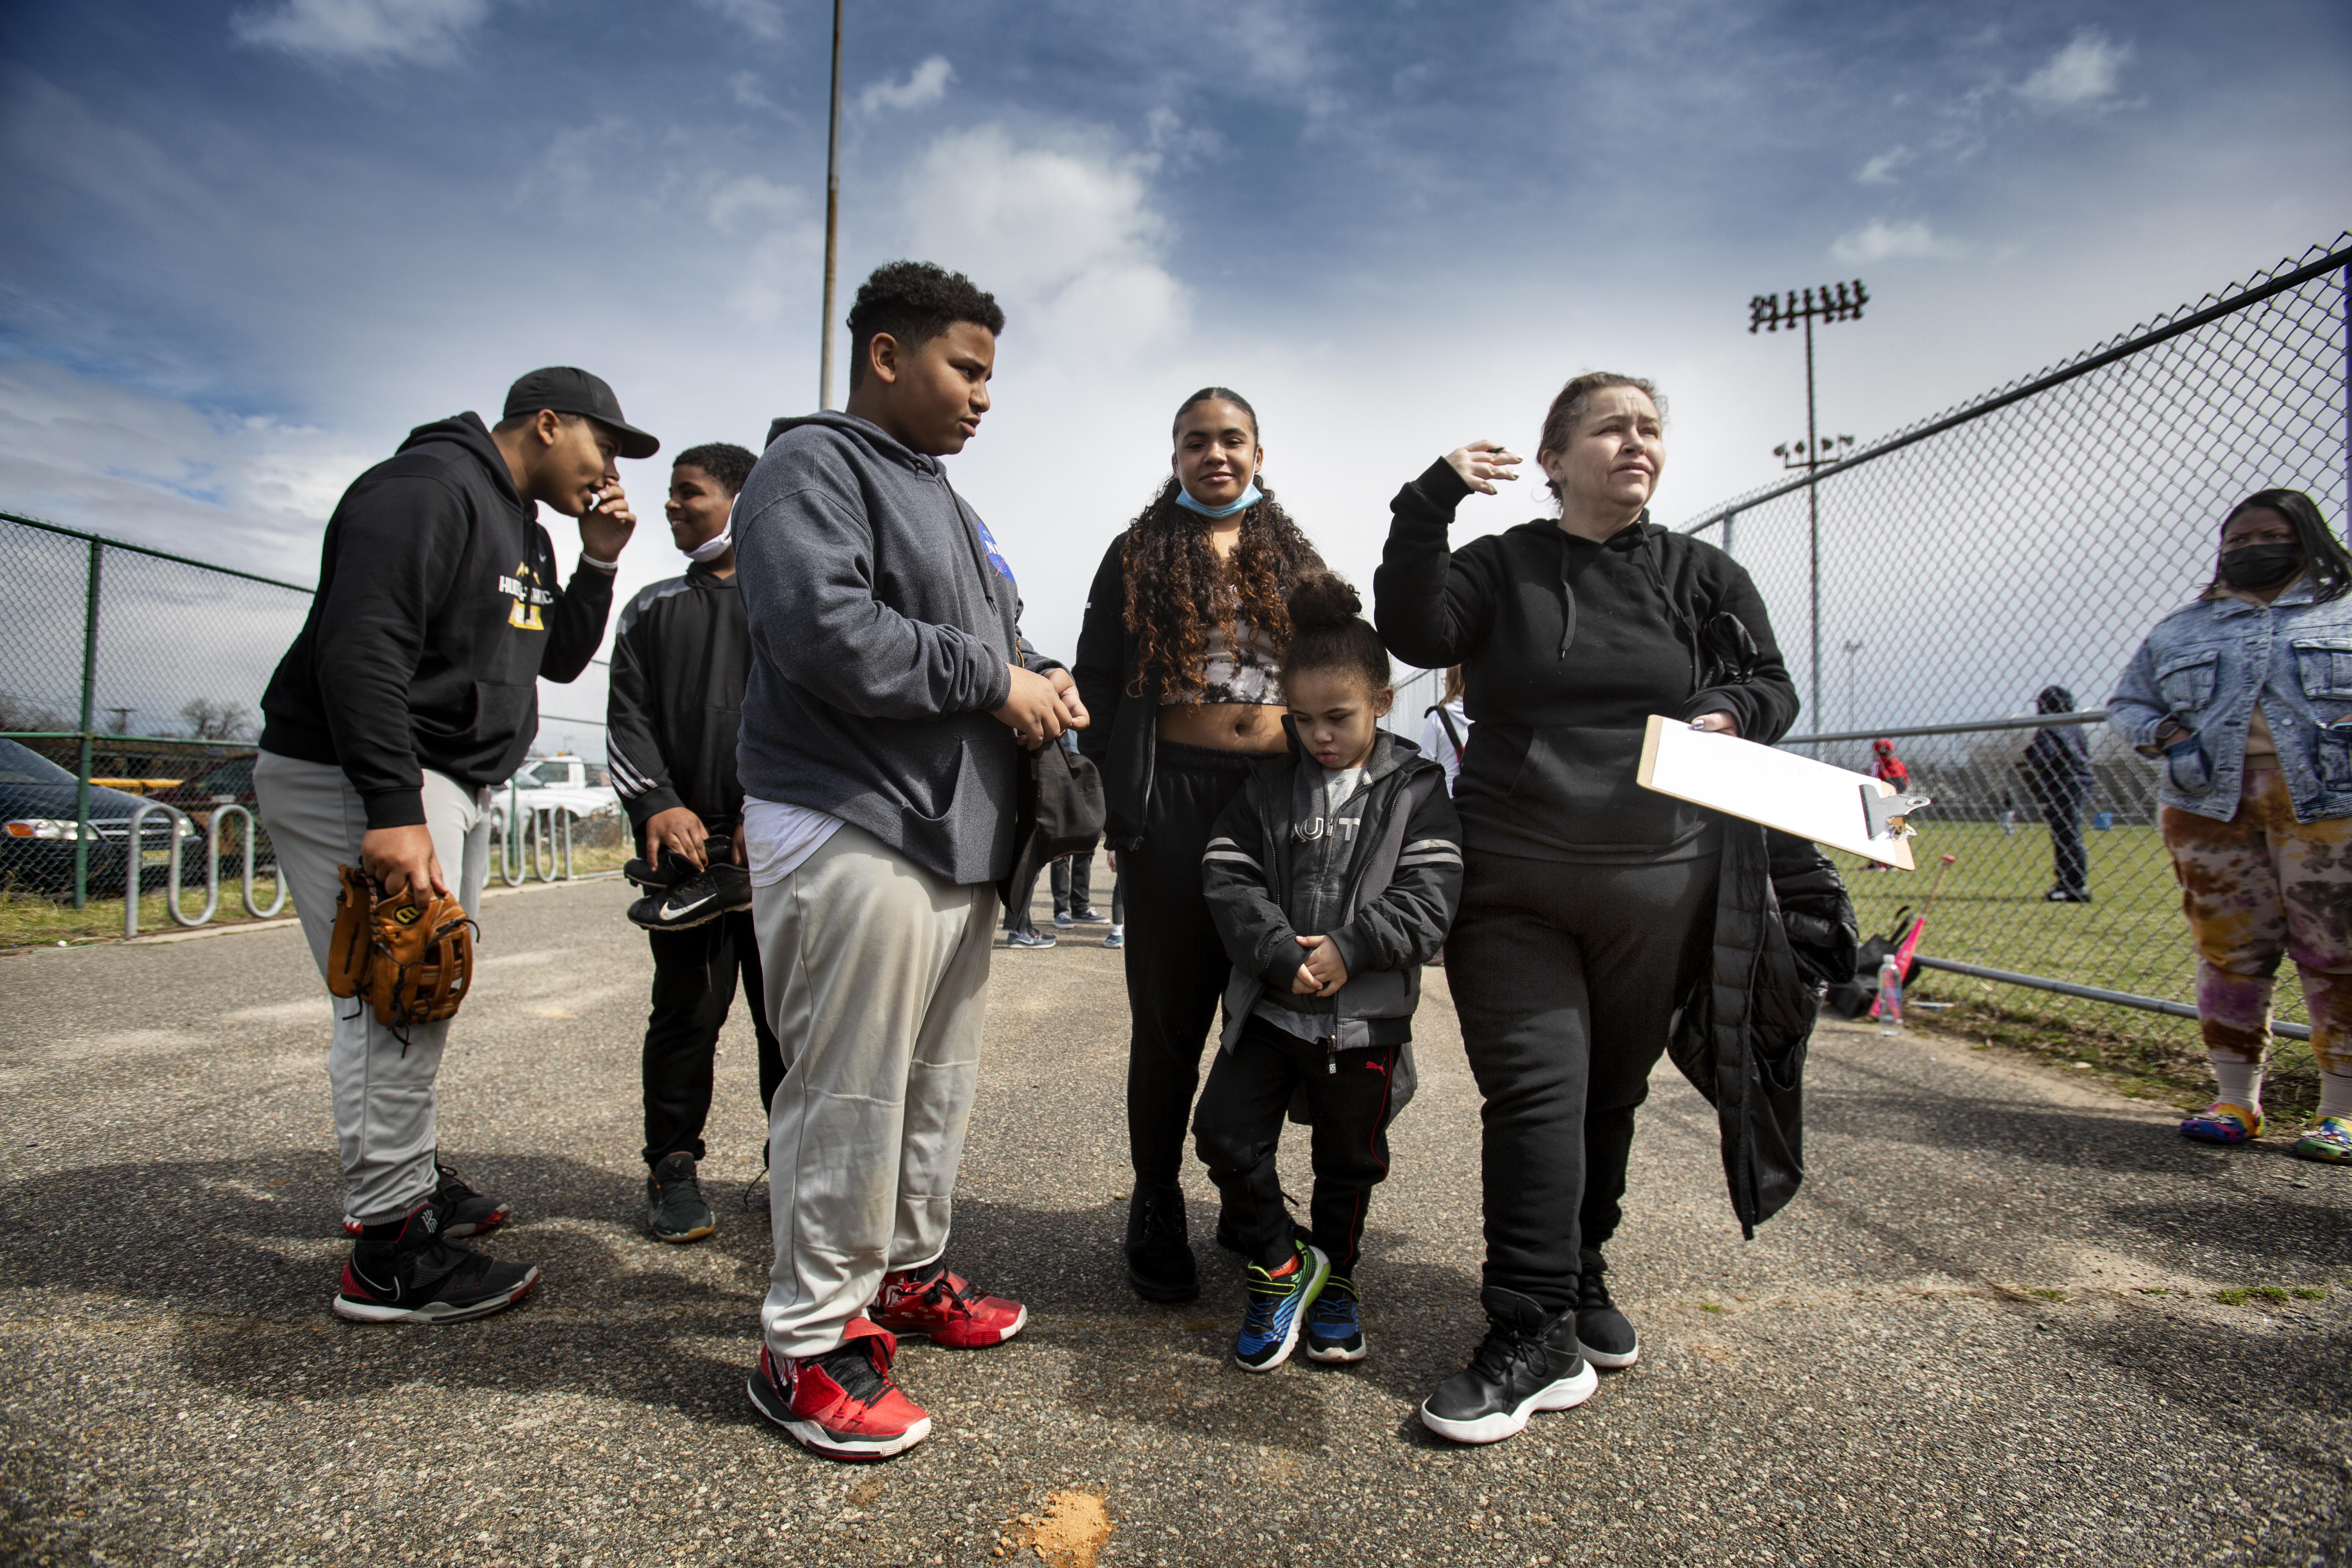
681,655
1332,878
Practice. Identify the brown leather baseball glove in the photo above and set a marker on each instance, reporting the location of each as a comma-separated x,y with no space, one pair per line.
413,962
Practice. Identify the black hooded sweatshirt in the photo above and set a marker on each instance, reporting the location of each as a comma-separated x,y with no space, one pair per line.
437,611
1567,647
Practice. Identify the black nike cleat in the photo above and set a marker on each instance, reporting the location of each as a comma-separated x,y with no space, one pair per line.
718,889
661,874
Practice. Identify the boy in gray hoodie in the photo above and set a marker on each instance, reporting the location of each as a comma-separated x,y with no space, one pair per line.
889,696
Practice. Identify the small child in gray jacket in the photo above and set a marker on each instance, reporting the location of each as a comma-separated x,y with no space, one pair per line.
1332,878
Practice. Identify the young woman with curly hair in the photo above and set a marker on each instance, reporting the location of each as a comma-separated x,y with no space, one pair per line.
1179,662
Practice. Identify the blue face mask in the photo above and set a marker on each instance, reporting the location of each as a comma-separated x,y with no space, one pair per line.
1243,502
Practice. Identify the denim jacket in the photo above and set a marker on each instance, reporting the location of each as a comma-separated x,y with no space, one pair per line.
2206,665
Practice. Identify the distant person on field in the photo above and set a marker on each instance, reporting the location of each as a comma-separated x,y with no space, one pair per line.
1445,729
1331,877
1887,766
411,690
2246,697
682,654
889,696
2058,776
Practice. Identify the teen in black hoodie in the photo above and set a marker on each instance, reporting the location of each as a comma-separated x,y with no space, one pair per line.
411,690
1588,902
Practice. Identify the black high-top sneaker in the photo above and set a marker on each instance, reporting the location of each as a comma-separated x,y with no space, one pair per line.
1603,1333
1528,1362
405,1271
1159,1262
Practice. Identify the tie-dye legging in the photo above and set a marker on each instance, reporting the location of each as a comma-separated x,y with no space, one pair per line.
2256,889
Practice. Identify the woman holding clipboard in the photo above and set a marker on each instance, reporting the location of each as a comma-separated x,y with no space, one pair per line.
1588,903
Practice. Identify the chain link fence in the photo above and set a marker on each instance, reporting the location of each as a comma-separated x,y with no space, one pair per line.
2029,538
133,675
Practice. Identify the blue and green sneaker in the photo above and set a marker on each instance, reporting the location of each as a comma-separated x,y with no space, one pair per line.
2329,1141
1334,1331
1278,1301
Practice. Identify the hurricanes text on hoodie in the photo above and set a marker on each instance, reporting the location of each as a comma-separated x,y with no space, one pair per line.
1567,647
438,613
880,641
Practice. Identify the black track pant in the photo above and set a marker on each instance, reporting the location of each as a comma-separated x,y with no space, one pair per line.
2061,807
1176,967
1239,1122
1565,978
694,984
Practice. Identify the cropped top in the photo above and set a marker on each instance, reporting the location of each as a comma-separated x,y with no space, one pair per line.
1250,672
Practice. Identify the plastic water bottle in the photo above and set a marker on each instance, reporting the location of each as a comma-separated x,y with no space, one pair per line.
1890,996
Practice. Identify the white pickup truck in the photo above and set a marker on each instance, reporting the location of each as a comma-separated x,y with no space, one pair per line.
581,788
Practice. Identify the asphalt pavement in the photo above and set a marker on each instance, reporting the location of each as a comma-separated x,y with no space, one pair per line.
1986,1331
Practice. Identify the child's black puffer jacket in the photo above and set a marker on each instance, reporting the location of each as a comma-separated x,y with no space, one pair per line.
1384,890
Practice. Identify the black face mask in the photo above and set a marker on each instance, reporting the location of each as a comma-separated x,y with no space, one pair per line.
2259,565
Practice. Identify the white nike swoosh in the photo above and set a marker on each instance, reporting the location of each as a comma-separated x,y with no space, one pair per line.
671,912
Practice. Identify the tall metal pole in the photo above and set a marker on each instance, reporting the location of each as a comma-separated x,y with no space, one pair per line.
832,219
2346,521
1813,510
89,720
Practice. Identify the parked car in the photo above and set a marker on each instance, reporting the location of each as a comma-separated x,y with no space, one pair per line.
38,828
228,782
579,787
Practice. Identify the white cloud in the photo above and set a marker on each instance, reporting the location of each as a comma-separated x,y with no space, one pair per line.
927,83
1879,240
1880,171
363,32
2087,71
761,18
728,201
1064,231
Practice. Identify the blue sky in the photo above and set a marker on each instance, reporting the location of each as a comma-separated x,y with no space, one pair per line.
252,244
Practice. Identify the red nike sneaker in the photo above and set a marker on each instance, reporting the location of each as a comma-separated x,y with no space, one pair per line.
843,1404
944,1307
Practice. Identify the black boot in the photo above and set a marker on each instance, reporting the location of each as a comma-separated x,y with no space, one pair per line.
1528,1362
1603,1333
1159,1262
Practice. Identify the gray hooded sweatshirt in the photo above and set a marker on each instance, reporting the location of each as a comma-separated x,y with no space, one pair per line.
880,635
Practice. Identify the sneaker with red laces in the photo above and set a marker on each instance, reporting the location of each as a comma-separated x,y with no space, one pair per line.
943,1306
843,1404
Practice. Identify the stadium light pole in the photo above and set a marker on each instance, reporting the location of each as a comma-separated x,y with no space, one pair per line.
1831,302
831,219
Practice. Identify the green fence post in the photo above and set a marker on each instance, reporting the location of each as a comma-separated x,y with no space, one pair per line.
88,715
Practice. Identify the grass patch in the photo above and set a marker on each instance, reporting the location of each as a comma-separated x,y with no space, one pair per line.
34,919
30,920
2239,1295
2131,937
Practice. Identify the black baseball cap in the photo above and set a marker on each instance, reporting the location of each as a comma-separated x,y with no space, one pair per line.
566,389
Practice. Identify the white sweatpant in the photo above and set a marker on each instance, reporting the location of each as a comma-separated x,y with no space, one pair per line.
382,1089
877,974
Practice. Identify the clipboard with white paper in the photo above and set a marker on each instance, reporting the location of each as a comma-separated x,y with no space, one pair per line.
1849,811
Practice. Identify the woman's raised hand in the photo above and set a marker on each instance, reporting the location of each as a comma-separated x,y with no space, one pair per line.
1482,462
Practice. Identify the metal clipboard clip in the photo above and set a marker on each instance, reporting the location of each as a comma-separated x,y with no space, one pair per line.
1886,814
